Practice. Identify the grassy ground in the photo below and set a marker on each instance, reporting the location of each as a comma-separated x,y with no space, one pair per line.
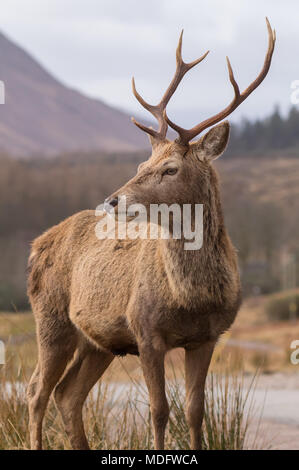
117,413
262,343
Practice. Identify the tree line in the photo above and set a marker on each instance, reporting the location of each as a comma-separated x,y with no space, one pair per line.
265,136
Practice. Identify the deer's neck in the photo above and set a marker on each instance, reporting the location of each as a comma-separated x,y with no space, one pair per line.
191,273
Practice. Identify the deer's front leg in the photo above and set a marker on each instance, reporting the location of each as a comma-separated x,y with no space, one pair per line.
152,362
197,362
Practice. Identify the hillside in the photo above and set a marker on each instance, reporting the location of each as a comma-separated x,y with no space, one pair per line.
42,116
266,180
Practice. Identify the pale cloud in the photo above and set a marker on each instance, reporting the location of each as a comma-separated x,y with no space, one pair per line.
96,46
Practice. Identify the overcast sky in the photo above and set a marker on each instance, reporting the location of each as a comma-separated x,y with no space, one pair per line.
96,46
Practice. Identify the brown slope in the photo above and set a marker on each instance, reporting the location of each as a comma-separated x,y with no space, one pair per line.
41,115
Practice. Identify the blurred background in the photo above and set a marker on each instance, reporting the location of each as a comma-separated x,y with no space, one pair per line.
66,142
66,139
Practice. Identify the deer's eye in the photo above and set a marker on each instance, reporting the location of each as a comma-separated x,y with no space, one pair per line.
170,171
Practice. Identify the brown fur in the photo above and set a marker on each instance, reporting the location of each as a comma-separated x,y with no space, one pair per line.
97,298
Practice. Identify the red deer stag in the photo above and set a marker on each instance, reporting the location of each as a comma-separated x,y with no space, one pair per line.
94,299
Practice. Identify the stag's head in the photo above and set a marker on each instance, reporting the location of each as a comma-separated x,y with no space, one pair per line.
180,171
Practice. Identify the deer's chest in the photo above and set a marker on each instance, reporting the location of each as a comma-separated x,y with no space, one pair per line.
188,327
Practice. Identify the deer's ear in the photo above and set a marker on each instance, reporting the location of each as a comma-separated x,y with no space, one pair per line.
214,142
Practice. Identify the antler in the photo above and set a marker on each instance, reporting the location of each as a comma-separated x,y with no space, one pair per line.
158,110
188,134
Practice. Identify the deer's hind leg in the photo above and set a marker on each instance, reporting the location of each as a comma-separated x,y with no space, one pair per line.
56,347
70,394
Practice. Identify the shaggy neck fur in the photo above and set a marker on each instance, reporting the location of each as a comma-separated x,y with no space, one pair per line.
190,272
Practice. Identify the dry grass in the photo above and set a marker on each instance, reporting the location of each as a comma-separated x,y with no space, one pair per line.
263,343
117,414
273,180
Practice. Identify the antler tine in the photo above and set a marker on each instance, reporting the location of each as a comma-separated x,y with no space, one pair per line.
179,59
185,135
152,109
158,110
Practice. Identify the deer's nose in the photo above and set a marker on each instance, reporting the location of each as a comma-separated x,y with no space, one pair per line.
110,203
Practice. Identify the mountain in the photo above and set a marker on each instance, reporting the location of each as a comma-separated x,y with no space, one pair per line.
42,116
